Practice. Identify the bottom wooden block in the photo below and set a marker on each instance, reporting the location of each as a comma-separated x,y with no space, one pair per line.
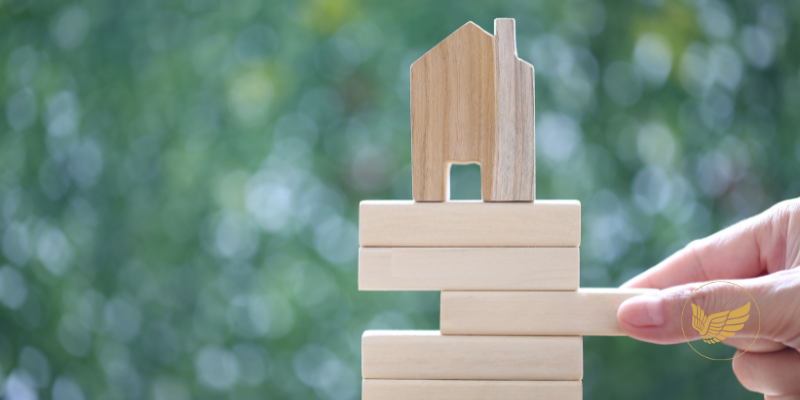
380,389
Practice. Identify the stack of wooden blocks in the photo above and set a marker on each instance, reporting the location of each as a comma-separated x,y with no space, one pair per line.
508,267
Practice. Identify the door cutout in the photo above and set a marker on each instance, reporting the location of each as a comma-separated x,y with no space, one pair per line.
464,182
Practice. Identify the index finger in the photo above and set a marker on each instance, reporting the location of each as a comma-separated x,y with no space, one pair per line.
747,249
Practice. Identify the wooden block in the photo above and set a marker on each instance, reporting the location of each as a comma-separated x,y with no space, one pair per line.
381,389
472,102
545,223
427,355
587,312
468,268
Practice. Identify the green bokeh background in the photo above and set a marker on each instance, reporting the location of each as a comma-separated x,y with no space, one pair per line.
179,180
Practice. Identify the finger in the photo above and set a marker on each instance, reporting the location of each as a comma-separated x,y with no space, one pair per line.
747,249
759,346
774,374
787,397
666,316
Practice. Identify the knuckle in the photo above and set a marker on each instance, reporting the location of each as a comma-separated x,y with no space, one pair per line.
780,299
696,247
787,206
783,211
714,297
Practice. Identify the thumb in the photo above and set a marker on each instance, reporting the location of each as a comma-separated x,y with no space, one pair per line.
666,317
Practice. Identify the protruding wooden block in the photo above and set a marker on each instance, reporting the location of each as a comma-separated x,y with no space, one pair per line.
544,223
428,355
381,389
587,312
468,268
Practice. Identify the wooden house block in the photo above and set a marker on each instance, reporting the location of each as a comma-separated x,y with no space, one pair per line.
514,173
587,312
545,223
468,268
381,389
428,355
472,101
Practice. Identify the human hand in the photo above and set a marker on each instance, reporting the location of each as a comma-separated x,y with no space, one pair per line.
761,255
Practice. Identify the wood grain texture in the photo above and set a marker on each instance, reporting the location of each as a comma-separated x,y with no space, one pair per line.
468,268
453,113
545,223
524,145
514,150
381,389
586,312
472,101
427,355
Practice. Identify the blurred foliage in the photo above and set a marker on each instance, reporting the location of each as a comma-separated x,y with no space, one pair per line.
179,179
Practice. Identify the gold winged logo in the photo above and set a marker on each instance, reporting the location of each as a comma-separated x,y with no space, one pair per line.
717,327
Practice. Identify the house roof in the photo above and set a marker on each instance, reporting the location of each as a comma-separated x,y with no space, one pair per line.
469,27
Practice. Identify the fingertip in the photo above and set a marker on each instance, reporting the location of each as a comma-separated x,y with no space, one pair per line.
643,318
634,285
640,281
644,311
628,285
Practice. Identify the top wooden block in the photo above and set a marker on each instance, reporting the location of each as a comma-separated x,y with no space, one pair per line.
545,223
472,101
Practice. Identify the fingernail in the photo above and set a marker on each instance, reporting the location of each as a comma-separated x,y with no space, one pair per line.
642,311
